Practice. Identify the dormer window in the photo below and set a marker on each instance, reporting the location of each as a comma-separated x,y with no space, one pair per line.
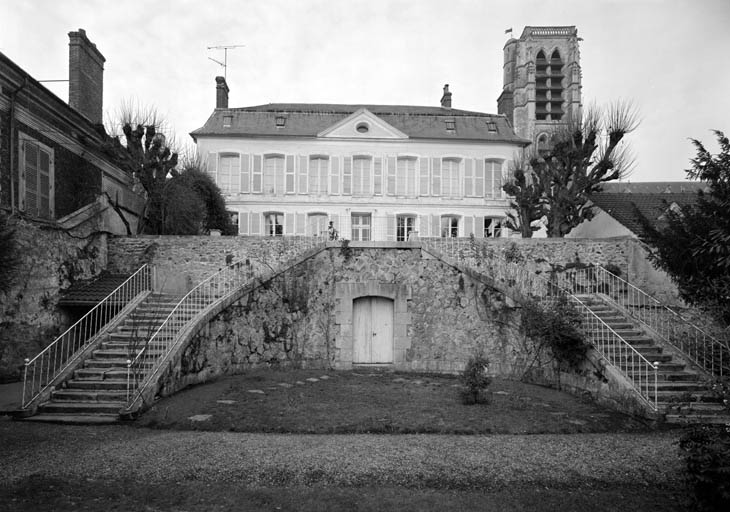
280,121
450,125
227,120
492,126
362,128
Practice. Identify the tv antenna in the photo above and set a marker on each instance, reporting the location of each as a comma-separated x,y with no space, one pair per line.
225,49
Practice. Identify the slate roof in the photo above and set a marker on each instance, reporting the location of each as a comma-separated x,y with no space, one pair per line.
623,206
90,293
309,119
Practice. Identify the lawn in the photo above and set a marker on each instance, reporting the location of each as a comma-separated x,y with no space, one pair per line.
371,401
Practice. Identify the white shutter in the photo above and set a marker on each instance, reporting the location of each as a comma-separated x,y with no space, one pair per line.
435,226
288,223
335,175
468,225
243,223
479,229
300,224
245,173
390,228
256,224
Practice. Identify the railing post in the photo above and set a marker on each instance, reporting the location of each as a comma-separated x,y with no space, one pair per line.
129,369
656,389
25,380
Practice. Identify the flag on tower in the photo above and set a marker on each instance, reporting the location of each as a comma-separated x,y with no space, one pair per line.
508,31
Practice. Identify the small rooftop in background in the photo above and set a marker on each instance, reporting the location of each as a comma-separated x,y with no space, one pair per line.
655,187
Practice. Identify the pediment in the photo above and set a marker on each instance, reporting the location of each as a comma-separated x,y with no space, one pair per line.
362,124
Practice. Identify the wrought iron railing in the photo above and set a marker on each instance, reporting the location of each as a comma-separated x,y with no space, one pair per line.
143,369
706,351
513,276
40,372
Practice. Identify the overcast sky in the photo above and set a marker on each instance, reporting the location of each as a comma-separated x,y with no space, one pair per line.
670,57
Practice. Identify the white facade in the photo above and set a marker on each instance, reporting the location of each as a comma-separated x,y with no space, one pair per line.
370,179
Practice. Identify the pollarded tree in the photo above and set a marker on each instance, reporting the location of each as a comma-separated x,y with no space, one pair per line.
585,154
145,152
693,246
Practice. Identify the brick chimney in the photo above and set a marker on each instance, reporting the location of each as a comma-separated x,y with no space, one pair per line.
221,92
446,98
85,76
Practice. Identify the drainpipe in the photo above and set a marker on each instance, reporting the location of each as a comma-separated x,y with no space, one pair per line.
13,97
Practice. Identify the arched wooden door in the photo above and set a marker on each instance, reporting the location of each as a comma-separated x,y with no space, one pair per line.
372,330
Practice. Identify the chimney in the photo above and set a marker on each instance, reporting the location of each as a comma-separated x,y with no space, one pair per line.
85,76
446,98
221,92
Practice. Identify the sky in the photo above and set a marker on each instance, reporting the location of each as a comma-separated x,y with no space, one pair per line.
668,57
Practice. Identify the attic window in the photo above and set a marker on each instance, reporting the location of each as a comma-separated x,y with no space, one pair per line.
227,120
492,126
450,125
280,121
362,128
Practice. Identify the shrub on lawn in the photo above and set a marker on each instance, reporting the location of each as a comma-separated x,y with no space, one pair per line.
475,381
707,450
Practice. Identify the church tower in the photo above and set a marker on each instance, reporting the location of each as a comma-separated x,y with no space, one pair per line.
542,75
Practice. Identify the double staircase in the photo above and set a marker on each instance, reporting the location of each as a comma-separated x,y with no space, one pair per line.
98,388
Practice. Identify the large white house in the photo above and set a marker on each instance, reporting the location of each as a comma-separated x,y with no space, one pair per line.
377,172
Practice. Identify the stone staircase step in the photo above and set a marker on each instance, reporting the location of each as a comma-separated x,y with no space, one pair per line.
679,397
95,407
107,384
680,386
124,354
696,419
76,419
101,374
108,363
88,395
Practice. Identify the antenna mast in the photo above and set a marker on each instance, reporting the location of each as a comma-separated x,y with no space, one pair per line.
225,49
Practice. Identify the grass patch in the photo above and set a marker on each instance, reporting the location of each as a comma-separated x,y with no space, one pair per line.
383,402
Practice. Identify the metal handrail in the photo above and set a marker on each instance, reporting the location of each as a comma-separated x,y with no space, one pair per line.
215,288
706,351
642,373
40,372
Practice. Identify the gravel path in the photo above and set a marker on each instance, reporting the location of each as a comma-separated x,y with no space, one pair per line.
437,461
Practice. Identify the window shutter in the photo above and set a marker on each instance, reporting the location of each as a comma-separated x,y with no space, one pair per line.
347,176
479,178
243,225
256,224
212,166
300,224
378,176
391,175
435,226
390,228
468,225
279,178
335,175
303,176
245,173
479,228
290,176
288,223
256,187
468,178
423,181
423,226
498,192
436,181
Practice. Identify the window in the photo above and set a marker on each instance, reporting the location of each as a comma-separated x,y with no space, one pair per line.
280,121
492,227
450,177
405,225
317,224
273,174
406,177
229,172
227,120
362,128
450,125
318,169
491,126
361,176
234,220
274,224
361,227
36,178
449,226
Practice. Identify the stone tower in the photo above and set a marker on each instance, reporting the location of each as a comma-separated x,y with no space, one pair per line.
542,89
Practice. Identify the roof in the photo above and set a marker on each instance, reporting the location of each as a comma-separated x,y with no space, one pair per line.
655,187
309,119
90,293
624,207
